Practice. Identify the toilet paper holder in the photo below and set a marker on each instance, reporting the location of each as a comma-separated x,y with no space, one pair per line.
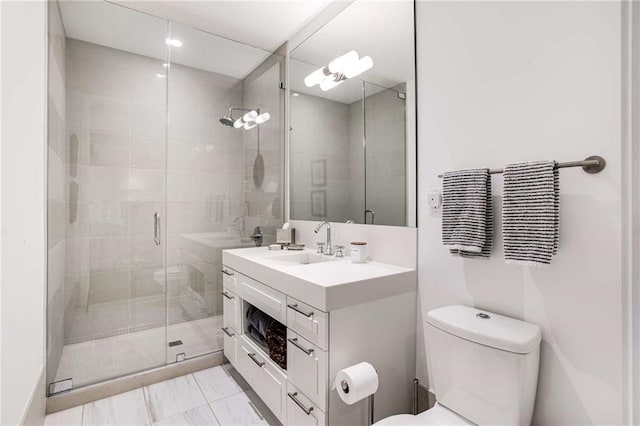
345,388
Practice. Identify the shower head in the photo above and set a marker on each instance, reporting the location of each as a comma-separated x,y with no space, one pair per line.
227,121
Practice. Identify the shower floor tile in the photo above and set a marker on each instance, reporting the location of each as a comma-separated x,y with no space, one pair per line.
96,360
180,401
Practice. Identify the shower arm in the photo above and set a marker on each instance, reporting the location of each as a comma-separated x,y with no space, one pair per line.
242,109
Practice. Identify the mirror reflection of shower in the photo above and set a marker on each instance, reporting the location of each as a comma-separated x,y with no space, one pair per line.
249,120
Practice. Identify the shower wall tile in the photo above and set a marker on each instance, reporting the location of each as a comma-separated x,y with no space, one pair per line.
147,153
184,123
55,269
146,185
148,120
184,154
142,217
107,219
109,254
109,114
109,149
320,133
102,183
145,252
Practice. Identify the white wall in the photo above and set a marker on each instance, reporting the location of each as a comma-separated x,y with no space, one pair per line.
23,230
502,82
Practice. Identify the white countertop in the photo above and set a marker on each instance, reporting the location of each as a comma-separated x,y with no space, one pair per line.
330,284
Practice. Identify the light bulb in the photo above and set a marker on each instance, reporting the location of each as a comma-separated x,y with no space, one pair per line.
173,42
265,116
329,83
249,125
250,116
238,123
342,62
315,77
357,68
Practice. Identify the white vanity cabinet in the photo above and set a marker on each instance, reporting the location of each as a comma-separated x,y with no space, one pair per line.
322,338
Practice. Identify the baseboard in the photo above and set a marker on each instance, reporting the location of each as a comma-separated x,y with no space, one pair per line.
34,415
112,387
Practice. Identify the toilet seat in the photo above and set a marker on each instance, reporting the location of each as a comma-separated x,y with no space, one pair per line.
437,415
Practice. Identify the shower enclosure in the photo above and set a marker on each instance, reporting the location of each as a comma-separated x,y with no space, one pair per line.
146,186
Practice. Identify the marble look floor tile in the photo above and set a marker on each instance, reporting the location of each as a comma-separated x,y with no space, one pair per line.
217,383
199,416
173,396
238,410
127,408
70,417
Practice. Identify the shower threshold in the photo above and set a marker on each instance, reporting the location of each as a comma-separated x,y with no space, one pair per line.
102,359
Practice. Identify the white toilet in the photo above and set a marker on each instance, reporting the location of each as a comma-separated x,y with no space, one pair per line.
483,368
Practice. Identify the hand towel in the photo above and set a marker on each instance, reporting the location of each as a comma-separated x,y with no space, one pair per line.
531,213
467,215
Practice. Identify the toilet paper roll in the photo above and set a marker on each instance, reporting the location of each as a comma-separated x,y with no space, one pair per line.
356,382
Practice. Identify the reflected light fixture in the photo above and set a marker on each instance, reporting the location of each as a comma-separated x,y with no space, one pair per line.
340,69
249,120
174,42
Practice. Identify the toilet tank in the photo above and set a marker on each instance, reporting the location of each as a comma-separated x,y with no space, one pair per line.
483,366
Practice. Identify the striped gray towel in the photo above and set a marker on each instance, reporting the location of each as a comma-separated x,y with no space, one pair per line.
467,214
531,212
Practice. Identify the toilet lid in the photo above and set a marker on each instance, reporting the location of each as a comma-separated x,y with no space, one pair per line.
438,415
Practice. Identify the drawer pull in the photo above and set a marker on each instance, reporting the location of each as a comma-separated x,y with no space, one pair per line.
295,343
253,357
300,311
227,332
300,404
230,274
227,295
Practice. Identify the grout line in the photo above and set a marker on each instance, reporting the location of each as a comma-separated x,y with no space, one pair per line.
147,404
214,413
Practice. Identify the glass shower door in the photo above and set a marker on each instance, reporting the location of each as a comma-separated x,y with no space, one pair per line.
107,284
213,203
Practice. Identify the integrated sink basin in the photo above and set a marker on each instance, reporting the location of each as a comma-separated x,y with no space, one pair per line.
302,258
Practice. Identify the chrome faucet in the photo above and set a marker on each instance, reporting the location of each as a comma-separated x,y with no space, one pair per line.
328,251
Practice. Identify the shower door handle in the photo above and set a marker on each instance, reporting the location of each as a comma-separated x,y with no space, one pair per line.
156,228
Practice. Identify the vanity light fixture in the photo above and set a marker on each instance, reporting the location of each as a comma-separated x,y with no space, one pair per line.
343,67
173,42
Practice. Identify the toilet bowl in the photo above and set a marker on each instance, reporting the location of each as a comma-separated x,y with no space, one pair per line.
483,369
437,415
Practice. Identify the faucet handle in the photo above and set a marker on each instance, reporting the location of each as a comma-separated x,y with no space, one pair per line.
339,252
320,249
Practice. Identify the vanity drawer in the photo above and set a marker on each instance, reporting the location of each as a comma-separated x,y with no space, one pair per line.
266,379
308,321
229,279
268,300
230,342
231,311
301,411
307,368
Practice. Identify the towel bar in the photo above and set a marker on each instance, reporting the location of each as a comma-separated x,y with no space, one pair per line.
592,164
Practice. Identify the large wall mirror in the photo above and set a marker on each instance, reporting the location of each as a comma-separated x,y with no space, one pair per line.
352,118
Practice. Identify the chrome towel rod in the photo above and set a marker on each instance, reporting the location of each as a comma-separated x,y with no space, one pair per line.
592,164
